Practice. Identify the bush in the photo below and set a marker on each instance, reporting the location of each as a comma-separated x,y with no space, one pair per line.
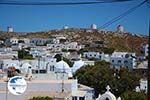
128,95
41,98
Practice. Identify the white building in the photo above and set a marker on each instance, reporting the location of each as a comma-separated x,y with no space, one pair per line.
11,41
25,40
40,41
7,53
14,40
39,51
91,63
123,59
16,47
57,47
120,29
65,27
1,42
94,26
145,49
5,50
58,37
62,66
10,29
77,65
4,64
96,55
143,85
72,46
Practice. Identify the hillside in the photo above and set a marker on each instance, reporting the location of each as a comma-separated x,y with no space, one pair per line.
118,41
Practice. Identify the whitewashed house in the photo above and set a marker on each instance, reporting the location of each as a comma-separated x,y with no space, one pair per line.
143,85
1,42
123,59
11,41
25,40
39,51
58,47
5,50
96,55
72,46
7,53
40,41
145,49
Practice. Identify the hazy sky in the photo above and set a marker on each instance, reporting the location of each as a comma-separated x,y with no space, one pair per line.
43,18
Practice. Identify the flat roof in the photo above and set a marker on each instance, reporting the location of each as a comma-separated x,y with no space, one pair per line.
79,93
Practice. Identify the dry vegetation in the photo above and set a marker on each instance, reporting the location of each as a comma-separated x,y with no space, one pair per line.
120,42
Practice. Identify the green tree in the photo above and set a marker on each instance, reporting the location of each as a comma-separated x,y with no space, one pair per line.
100,75
129,95
64,50
58,57
108,50
24,54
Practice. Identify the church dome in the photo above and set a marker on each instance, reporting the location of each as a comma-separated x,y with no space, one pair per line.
62,66
25,67
77,65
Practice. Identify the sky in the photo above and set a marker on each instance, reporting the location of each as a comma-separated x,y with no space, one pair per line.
44,18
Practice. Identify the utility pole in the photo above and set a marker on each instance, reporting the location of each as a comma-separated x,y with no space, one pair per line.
39,63
63,79
7,84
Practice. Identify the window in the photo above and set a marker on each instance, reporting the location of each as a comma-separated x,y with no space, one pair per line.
81,98
119,61
74,98
99,57
112,61
125,61
106,99
42,71
127,56
51,68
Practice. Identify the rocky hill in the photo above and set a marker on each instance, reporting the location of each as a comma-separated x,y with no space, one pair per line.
118,41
